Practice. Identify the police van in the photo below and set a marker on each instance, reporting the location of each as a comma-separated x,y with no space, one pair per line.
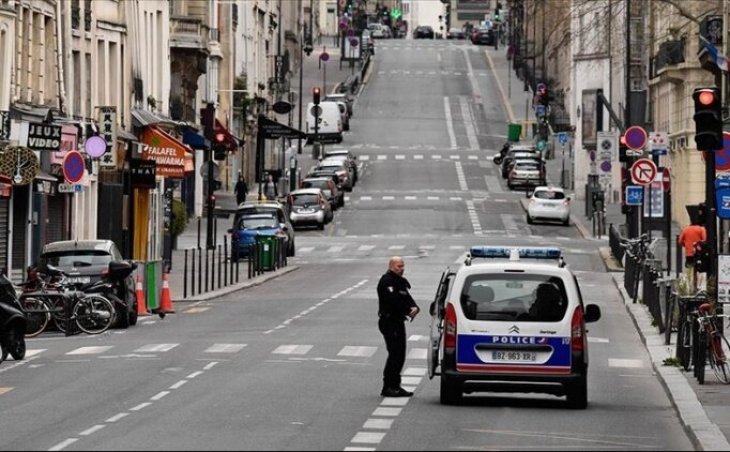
510,320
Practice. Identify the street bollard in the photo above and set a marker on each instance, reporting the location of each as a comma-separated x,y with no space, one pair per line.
207,256
185,276
220,264
192,275
200,270
227,257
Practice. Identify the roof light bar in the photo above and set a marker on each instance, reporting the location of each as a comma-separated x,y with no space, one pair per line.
524,252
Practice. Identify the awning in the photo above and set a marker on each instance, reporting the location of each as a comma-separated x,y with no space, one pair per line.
230,140
144,118
124,135
173,158
195,140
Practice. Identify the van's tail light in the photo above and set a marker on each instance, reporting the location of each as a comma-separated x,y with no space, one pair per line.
450,326
577,333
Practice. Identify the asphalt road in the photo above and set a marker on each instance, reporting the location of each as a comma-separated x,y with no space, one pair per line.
296,363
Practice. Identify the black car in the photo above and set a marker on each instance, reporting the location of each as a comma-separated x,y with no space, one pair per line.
456,33
86,261
423,32
484,36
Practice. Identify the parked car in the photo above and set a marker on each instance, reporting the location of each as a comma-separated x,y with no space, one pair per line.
344,115
244,233
484,36
329,125
510,320
377,31
334,195
270,207
341,168
343,97
517,151
309,207
526,172
423,32
508,164
350,159
86,261
455,33
549,203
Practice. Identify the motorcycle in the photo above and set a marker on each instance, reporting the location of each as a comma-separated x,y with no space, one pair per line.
13,321
502,153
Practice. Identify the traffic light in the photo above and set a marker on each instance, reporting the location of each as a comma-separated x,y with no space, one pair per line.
316,95
498,12
219,146
207,118
708,119
622,149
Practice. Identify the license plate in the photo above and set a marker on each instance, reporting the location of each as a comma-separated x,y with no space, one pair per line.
514,356
79,279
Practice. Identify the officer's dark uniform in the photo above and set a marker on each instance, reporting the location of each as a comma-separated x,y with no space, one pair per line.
394,304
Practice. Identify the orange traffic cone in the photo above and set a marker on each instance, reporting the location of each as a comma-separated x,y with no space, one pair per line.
166,302
141,302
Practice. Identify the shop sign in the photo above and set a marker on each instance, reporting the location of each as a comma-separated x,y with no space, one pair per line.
4,125
69,142
143,173
168,153
108,130
44,137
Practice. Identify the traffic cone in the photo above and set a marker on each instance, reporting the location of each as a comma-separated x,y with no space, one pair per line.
166,302
141,302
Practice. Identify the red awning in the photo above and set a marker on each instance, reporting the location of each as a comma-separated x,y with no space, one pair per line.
173,158
230,140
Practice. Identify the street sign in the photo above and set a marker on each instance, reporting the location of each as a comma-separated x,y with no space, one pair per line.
563,138
722,157
666,179
324,56
273,130
70,188
95,146
540,145
73,166
722,195
654,199
636,138
539,110
204,170
658,143
634,195
643,172
4,125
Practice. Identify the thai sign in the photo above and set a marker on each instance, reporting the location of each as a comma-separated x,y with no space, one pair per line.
108,130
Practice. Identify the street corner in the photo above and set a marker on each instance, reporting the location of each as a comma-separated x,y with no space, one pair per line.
612,264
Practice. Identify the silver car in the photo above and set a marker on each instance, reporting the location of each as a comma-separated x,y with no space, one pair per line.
309,207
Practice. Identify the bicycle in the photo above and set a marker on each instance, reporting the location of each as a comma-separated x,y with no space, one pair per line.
686,334
67,305
713,347
640,249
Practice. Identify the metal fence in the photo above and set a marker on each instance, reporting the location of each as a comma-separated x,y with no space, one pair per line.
208,270
614,241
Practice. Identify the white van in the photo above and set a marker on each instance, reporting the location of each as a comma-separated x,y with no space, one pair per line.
330,122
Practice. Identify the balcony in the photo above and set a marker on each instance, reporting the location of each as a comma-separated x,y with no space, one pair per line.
188,33
668,61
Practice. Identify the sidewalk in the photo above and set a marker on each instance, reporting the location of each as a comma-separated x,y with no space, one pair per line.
704,410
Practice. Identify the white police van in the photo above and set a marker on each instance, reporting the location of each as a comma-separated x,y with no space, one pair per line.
514,321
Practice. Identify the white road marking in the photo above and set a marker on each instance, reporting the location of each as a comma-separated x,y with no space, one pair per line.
473,217
366,198
471,133
418,157
210,365
400,157
394,401
34,352
368,437
473,157
378,424
335,249
364,158
194,374
396,247
292,349
140,406
411,380
350,448
415,371
433,198
91,430
449,123
90,350
625,363
455,198
63,444
388,198
427,247
455,157
179,384
460,177
598,340
159,395
361,352
225,348
457,247
411,198
150,348
381,411
366,247
305,249
382,157
117,417
417,353
417,338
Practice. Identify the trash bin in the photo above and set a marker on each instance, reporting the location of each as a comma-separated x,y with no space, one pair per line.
514,131
267,251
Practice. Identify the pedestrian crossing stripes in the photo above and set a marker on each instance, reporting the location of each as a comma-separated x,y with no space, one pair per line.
535,240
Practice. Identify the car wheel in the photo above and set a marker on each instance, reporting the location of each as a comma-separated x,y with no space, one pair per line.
15,343
122,317
3,352
529,219
577,394
133,316
510,186
342,202
450,391
292,250
566,222
320,226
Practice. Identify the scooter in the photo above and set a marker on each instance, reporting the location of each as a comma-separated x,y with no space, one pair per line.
502,154
13,322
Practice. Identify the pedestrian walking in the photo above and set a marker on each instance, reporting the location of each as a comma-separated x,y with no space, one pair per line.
270,189
688,238
395,306
241,189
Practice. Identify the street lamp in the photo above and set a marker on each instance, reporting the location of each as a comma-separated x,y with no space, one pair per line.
303,48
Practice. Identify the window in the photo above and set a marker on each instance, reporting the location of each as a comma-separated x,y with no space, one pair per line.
548,194
76,258
513,297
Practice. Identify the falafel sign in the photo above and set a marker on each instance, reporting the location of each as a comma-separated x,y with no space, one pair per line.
168,153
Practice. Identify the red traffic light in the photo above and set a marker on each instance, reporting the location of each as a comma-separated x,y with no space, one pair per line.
220,137
706,97
316,95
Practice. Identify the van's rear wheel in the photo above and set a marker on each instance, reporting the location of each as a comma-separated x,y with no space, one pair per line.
577,394
450,391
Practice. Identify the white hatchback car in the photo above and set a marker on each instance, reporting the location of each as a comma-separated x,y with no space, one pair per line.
512,322
549,203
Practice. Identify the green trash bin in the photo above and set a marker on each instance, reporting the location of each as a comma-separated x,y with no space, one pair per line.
267,251
514,130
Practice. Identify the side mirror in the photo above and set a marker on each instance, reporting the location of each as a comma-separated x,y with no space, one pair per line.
432,308
593,313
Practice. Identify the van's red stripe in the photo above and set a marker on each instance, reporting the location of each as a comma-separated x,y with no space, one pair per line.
551,370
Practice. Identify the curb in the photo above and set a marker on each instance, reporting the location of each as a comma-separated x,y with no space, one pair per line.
612,265
703,433
240,286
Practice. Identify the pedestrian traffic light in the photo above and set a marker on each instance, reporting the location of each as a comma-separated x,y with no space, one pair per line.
219,146
708,119
316,95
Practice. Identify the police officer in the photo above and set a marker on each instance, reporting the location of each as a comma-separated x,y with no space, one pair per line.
395,305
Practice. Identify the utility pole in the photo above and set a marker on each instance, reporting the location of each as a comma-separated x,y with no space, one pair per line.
632,213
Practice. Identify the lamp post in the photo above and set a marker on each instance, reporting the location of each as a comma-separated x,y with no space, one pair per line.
303,48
